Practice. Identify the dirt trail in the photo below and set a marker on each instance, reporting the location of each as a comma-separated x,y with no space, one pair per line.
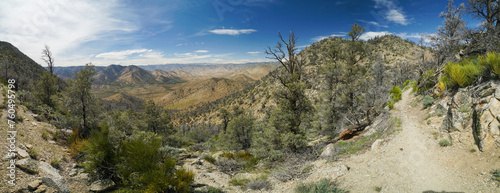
413,161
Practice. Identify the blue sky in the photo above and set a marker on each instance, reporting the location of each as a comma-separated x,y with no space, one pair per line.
131,32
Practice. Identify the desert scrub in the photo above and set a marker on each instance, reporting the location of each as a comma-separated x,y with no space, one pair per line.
45,134
323,186
395,122
211,189
427,101
352,147
495,175
395,93
55,163
444,143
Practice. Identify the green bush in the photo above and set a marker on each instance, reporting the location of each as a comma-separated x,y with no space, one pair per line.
462,73
211,189
444,143
101,157
491,61
427,101
396,93
495,175
323,186
390,104
55,163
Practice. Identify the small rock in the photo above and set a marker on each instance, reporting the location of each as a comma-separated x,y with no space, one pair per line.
82,177
197,185
29,146
102,185
34,124
376,145
28,165
21,153
41,189
50,141
73,172
483,173
33,185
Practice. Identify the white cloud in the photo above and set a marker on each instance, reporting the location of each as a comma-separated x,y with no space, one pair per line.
64,25
232,32
392,12
319,38
201,51
371,35
397,16
253,53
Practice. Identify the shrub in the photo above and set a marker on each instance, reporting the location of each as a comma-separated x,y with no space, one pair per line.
444,143
33,153
45,134
462,73
495,175
390,104
492,62
396,93
323,186
101,158
228,166
259,184
209,159
427,101
239,182
211,189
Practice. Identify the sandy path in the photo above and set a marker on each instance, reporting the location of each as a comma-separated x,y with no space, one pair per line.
412,161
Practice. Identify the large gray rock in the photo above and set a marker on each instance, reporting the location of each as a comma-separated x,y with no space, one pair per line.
53,178
28,165
102,185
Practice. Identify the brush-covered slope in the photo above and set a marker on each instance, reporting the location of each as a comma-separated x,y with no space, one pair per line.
260,96
121,75
16,65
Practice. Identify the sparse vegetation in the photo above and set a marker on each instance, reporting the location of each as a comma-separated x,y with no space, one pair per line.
445,143
55,163
323,186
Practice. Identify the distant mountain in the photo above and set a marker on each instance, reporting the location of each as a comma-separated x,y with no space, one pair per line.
209,69
16,65
170,76
124,75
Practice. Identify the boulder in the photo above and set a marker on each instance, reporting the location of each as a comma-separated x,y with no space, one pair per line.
102,185
28,165
442,106
328,151
462,97
53,178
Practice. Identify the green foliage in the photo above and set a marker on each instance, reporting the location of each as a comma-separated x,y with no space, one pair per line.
427,101
495,175
395,121
390,104
462,73
157,120
211,189
239,133
33,153
352,147
444,143
81,103
396,93
209,159
45,134
472,150
46,88
492,62
323,186
101,158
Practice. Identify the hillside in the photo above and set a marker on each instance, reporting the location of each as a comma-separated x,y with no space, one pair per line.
16,65
399,56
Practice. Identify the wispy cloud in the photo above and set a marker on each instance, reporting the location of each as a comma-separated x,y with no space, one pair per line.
124,54
201,51
64,25
254,53
404,35
319,38
232,32
373,23
392,12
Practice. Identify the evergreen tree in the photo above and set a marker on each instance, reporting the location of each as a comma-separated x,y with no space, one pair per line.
81,103
157,119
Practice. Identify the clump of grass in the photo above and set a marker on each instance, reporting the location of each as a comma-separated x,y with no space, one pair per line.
33,153
472,150
377,189
444,143
351,147
428,116
211,189
209,159
45,135
435,134
495,175
323,186
396,121
239,182
55,163
440,114
428,122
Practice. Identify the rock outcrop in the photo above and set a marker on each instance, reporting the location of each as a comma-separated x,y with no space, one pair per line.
476,108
